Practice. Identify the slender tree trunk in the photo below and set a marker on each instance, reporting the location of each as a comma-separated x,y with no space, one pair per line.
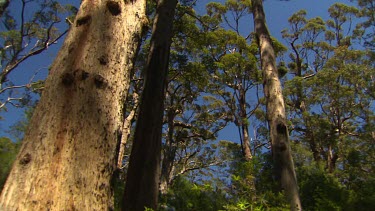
126,129
68,154
142,184
169,155
275,109
331,159
246,149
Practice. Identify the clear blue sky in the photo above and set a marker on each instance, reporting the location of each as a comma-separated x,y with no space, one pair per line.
277,13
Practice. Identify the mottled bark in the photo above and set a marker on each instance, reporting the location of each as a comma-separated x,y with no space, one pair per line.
126,129
142,184
245,140
68,154
284,167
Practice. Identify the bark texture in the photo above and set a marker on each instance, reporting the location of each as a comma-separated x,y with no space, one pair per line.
126,129
284,167
144,166
69,151
245,138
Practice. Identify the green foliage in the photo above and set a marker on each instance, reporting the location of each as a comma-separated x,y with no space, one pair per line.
317,188
118,186
185,195
8,153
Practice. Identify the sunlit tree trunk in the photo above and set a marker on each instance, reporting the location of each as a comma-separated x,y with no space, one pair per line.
126,130
69,151
142,184
275,109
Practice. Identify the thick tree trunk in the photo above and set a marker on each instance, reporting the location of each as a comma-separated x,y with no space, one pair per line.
142,184
275,109
69,151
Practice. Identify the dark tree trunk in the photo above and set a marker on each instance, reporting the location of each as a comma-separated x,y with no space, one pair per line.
142,184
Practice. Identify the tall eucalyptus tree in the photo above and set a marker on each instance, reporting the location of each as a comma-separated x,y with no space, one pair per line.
281,151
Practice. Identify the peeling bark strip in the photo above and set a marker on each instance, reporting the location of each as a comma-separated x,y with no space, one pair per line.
68,154
142,184
281,151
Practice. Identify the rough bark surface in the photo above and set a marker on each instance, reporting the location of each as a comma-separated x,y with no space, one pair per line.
69,151
144,166
284,167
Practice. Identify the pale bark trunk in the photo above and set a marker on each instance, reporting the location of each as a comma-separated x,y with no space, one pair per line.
142,184
246,149
69,151
126,129
275,109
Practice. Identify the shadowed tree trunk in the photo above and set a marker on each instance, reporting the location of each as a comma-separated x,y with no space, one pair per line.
68,154
142,182
169,152
284,167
